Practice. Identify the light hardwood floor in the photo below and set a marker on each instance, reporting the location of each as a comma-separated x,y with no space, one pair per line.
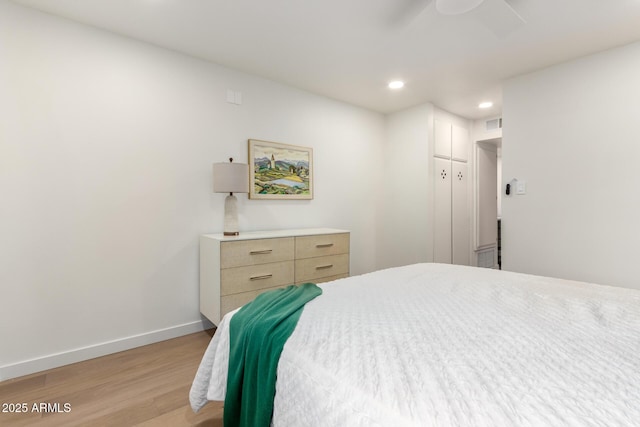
146,386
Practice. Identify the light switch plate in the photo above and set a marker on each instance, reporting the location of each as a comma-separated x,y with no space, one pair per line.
521,187
231,96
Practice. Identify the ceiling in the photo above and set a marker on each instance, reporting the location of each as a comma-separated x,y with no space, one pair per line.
350,49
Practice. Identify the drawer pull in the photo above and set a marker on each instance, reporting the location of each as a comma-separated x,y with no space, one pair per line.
322,267
266,276
266,251
324,245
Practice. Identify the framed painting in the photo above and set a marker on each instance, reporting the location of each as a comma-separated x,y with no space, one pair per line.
280,171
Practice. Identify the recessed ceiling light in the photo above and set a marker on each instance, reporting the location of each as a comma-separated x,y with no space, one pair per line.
486,104
396,84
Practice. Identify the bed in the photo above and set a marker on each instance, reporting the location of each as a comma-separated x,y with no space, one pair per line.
435,344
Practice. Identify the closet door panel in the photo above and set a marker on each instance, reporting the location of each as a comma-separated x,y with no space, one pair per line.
442,226
459,143
461,226
442,138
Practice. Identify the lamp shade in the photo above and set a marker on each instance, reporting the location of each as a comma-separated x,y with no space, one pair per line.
230,178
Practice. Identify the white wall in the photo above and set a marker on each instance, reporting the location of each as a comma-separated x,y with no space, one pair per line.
406,217
106,146
479,130
571,132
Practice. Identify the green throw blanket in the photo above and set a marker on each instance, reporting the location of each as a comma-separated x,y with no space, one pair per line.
258,332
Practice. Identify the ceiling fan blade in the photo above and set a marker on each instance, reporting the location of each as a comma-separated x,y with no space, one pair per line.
409,11
499,17
456,7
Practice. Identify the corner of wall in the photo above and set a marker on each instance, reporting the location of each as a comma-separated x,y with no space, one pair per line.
51,361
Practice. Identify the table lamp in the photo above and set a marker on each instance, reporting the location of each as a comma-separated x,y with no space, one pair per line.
230,178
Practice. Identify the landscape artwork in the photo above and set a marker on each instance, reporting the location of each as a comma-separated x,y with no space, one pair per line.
280,171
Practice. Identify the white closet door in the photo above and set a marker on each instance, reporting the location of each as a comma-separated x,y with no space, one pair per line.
460,218
442,138
442,229
459,143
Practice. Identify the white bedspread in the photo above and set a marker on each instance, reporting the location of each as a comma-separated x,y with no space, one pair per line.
432,344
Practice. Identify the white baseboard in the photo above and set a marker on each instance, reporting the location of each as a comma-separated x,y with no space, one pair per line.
51,361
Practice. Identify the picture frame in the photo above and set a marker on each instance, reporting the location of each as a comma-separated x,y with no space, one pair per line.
280,171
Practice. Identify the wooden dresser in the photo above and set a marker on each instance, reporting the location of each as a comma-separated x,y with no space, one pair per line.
235,269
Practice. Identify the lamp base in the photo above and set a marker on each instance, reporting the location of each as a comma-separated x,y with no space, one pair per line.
231,216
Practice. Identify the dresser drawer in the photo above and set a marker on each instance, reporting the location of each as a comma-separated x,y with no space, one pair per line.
322,245
254,277
231,302
310,269
259,251
326,279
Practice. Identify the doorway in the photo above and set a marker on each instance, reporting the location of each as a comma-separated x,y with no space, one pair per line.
487,242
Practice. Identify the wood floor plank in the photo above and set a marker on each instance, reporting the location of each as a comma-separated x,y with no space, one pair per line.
16,386
146,386
210,416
